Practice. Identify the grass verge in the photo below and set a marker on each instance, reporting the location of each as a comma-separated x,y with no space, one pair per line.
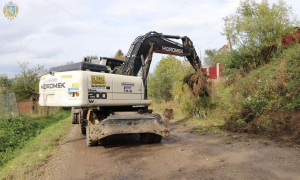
28,161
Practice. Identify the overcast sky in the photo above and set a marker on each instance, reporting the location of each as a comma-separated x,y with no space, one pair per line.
52,32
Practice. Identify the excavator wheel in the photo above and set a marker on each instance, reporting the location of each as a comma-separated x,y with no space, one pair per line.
102,141
157,138
147,138
83,129
82,122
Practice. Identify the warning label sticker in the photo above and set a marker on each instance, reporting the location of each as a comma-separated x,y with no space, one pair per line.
98,82
75,85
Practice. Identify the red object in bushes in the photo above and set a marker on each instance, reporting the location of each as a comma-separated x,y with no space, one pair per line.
212,72
292,38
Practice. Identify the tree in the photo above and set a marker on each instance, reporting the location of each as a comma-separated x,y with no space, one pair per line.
256,31
210,57
166,78
5,84
26,85
119,55
214,56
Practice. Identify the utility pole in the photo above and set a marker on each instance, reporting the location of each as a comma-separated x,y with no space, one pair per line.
227,35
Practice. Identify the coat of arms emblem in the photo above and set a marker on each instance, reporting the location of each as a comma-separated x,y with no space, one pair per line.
10,10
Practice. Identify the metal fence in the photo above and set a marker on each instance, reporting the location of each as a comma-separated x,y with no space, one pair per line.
8,104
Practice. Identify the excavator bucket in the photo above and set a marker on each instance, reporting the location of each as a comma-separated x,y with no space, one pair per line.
198,83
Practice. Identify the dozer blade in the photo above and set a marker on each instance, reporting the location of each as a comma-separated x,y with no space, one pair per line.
129,122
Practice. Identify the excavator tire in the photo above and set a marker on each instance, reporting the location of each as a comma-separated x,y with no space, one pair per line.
83,129
157,138
102,142
147,138
82,124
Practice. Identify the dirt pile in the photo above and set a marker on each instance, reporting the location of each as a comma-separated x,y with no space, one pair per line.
198,83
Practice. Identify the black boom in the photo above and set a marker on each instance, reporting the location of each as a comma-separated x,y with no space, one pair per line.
141,50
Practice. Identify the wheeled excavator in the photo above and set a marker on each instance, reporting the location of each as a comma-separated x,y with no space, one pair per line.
108,96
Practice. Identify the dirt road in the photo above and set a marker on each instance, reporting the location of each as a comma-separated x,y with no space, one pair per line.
182,155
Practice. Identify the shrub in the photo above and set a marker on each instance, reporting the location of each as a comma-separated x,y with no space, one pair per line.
15,131
256,31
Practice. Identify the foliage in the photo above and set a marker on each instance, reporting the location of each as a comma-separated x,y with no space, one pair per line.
15,131
166,84
167,79
214,56
28,162
266,101
119,55
5,84
210,57
26,85
197,107
257,30
290,77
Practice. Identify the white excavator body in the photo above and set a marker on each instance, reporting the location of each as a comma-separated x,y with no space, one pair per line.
90,89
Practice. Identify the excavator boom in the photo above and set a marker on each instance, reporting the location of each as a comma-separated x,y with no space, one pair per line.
140,56
153,42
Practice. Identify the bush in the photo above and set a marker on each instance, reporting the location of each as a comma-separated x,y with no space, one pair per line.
256,31
167,78
197,107
15,131
292,76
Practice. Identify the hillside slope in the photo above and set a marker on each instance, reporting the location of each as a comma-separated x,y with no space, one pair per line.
266,101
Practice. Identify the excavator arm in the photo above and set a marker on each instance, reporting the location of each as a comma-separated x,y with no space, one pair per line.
141,50
140,56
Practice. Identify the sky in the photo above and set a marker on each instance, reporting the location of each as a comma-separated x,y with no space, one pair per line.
53,32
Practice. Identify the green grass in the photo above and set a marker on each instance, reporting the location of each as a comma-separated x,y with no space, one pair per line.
28,161
16,131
